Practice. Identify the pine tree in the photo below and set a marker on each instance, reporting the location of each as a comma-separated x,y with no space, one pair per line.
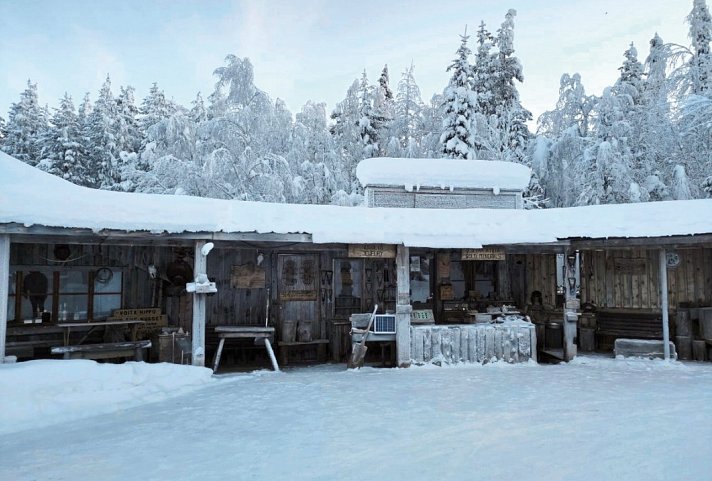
154,108
369,121
700,64
198,112
408,120
483,72
511,125
128,133
26,123
460,104
383,82
101,131
64,155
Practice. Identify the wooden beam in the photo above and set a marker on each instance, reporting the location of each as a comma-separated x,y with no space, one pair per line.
115,236
198,339
4,290
664,302
403,307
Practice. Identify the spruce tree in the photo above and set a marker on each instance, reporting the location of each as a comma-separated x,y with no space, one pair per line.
64,155
101,132
408,120
27,122
460,103
700,64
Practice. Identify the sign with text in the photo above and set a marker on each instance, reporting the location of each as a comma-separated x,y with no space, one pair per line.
378,251
483,255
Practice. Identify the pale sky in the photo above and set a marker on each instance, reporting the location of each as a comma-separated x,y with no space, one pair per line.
312,49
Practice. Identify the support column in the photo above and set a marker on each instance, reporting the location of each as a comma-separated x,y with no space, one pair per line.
664,302
4,290
403,307
572,282
200,266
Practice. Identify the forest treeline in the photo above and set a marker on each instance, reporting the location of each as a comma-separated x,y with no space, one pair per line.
646,138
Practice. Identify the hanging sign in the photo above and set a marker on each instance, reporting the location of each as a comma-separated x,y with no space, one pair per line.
378,251
483,254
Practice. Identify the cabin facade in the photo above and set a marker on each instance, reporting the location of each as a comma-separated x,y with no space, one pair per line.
443,274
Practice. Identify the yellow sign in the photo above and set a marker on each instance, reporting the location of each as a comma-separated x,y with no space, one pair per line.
378,251
483,255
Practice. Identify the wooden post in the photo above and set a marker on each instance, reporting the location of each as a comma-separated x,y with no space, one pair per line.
403,307
198,340
572,280
4,290
664,303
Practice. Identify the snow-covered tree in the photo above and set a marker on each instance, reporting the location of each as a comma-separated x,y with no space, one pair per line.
700,63
512,117
62,147
27,123
460,104
102,149
408,119
369,120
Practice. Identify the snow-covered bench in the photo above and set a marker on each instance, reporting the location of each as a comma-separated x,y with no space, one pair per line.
104,351
642,348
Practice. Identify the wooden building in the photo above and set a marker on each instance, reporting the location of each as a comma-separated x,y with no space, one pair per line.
304,270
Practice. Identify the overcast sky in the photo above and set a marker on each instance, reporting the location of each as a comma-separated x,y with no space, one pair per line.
312,49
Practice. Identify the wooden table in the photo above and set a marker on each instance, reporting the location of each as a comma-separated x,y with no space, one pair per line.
67,327
264,335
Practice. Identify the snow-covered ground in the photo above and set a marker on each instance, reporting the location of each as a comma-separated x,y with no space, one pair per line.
593,419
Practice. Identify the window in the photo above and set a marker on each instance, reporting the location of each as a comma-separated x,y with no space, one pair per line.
71,294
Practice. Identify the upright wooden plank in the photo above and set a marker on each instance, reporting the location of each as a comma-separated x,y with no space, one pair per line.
644,280
4,290
707,273
403,307
609,286
699,265
198,336
690,259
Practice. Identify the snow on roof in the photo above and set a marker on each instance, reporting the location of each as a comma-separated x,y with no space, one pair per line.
30,197
443,173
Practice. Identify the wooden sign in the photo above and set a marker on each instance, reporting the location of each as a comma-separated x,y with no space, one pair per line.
483,255
144,314
298,295
630,266
247,276
377,251
152,317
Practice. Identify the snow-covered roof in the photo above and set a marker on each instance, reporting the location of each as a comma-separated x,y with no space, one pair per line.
34,198
443,173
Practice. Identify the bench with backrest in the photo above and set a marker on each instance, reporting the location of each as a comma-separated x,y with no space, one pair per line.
612,324
109,350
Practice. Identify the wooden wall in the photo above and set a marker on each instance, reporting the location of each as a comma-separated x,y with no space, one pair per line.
626,278
630,278
139,290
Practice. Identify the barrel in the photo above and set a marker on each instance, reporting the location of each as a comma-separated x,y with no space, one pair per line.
684,347
289,330
587,339
706,323
699,350
682,323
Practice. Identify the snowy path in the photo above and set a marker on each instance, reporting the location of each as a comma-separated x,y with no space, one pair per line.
595,420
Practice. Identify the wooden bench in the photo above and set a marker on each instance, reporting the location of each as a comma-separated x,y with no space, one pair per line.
612,324
286,347
104,351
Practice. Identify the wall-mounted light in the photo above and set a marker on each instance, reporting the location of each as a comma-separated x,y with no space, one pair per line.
152,271
260,258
